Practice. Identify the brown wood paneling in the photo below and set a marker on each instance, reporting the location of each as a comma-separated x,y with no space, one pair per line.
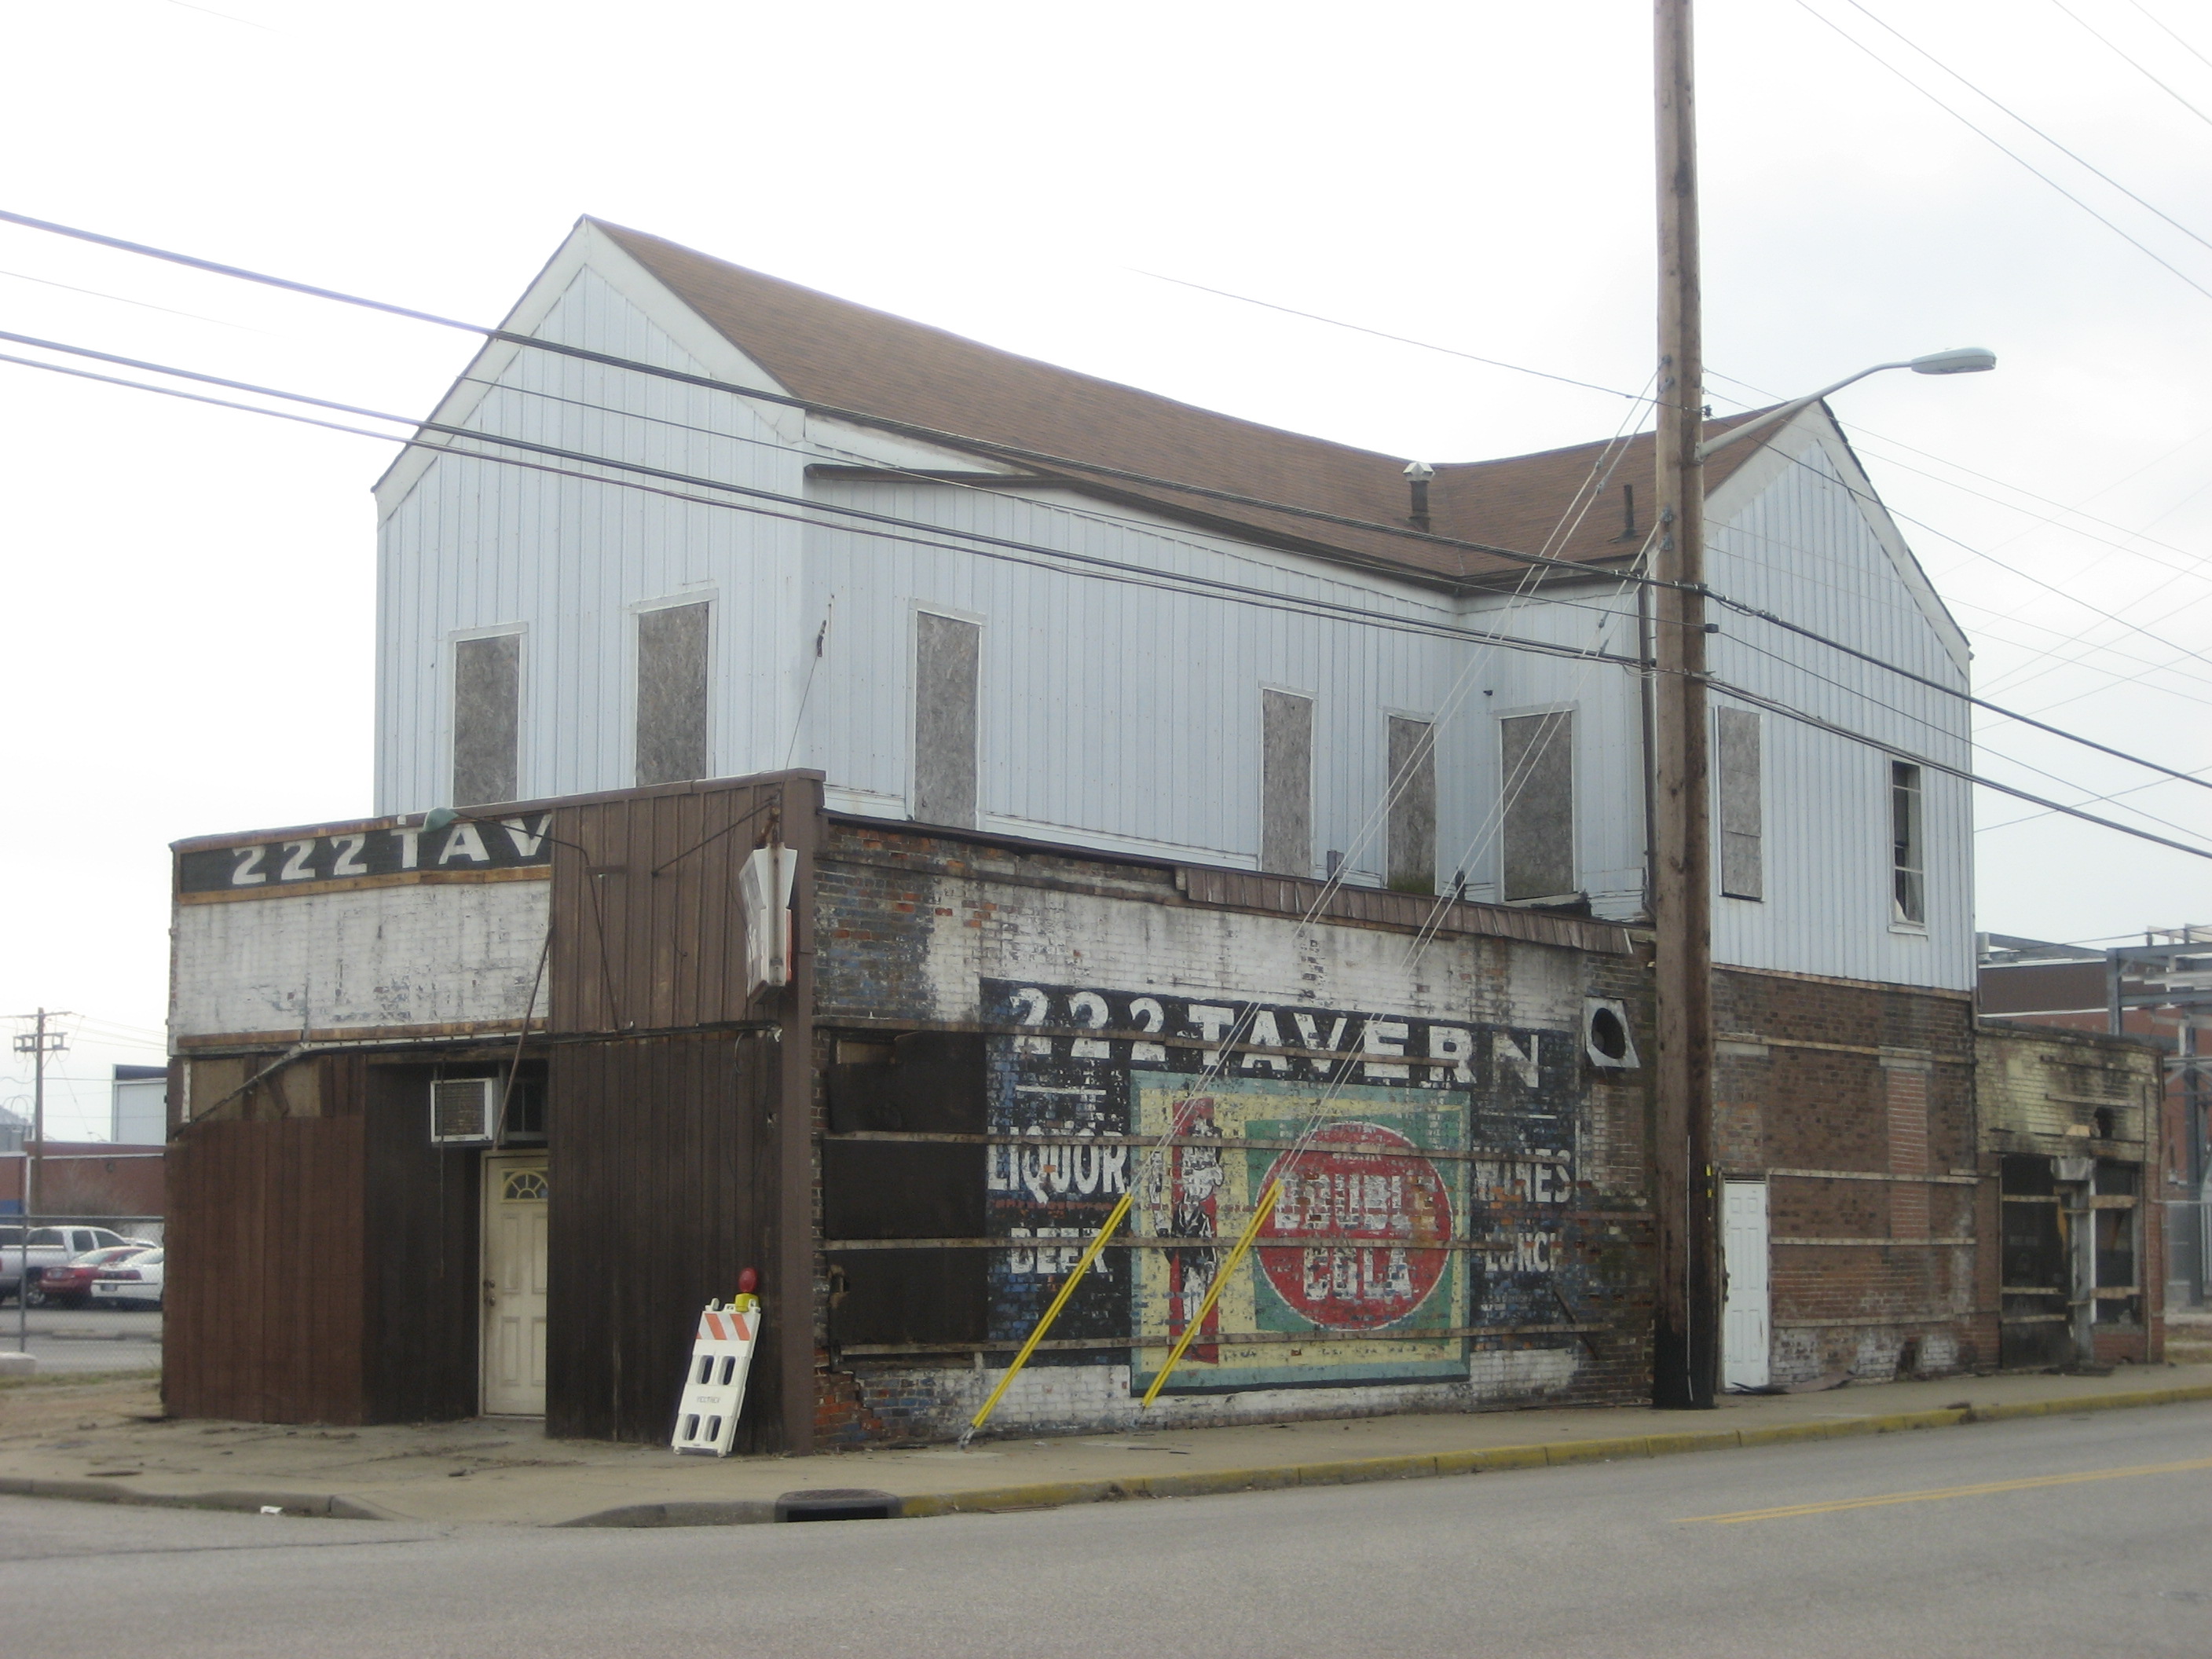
422,1282
263,1317
664,1173
637,951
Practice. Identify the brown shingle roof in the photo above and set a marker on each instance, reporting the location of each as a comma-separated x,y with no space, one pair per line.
830,351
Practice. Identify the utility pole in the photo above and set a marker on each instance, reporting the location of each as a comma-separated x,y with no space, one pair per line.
1684,1351
37,1043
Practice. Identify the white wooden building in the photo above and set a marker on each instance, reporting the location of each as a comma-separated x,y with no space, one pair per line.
1197,677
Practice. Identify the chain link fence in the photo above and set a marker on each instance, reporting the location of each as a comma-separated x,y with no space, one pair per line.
82,1292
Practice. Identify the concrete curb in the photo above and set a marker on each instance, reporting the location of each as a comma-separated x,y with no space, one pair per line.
1058,1494
1054,1494
333,1506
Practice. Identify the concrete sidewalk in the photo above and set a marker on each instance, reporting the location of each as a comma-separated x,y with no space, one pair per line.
105,1439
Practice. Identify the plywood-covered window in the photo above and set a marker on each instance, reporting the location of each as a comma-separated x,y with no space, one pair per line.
1412,866
674,736
1908,851
1536,756
486,718
1743,873
948,654
1285,783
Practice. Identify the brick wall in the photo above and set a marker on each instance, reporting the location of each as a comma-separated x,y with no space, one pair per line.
910,929
1856,1103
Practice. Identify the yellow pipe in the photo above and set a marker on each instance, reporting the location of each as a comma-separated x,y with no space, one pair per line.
1082,1266
1213,1291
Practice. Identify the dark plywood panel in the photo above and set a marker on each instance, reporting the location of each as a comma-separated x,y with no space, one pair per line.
665,1179
1287,783
901,1189
909,1296
947,661
1412,854
634,950
422,1283
264,1315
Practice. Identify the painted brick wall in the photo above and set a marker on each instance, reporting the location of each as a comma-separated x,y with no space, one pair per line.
910,927
1856,1103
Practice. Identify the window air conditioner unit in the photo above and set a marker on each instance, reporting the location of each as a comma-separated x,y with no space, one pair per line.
464,1111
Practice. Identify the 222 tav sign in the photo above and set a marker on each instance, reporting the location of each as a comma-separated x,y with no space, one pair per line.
355,855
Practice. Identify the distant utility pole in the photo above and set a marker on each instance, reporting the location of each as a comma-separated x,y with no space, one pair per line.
37,1043
1686,1323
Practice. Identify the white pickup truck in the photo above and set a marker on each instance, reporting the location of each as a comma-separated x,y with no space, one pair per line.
46,1247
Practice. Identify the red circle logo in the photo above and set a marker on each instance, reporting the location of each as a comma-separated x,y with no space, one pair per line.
1367,1193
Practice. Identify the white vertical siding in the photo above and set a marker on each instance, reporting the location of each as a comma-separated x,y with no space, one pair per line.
1803,548
1117,713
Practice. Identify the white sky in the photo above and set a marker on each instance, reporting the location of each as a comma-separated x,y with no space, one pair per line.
186,643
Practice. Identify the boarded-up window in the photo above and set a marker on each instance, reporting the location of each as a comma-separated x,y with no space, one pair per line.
486,718
1537,804
1907,853
1285,783
673,726
1742,872
947,653
1412,851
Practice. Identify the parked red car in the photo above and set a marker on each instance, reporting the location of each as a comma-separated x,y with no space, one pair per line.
71,1285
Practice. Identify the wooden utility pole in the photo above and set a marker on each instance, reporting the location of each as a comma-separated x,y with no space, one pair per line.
1685,1351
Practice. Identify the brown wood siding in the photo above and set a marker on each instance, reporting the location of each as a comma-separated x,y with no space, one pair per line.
633,950
665,1179
422,1289
265,1250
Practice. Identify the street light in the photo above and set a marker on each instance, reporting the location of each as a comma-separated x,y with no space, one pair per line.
1967,360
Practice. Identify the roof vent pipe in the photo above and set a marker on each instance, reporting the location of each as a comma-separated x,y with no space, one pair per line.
1418,473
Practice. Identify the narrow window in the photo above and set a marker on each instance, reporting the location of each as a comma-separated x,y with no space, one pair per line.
1537,790
486,697
1412,853
947,653
1285,783
1741,873
1907,853
672,736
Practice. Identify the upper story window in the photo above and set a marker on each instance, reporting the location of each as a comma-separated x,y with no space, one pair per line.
1286,725
1742,863
1536,787
675,741
1412,854
947,662
487,719
1908,847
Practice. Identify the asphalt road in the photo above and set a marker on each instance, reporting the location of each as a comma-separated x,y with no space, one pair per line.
2091,1545
86,1338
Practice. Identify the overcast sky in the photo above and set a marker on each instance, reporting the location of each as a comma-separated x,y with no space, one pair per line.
188,625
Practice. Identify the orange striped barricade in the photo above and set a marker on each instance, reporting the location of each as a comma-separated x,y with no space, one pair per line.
715,1387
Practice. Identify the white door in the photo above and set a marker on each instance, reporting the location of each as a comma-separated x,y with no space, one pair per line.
515,1192
1744,1314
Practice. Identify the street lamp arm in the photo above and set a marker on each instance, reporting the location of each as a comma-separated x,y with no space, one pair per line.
1787,411
1968,360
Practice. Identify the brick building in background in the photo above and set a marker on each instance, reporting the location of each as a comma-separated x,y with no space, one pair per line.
1091,689
2158,995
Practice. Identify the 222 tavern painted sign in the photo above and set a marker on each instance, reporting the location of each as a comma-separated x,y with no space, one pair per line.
353,854
1425,1204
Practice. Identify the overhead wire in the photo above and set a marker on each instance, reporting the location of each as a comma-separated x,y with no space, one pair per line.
2114,46
1999,145
2015,115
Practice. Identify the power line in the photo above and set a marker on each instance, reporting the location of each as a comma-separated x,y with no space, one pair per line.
2003,109
1048,558
2114,46
1183,582
2184,44
1999,145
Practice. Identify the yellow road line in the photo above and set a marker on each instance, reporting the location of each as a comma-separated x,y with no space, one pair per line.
1785,1511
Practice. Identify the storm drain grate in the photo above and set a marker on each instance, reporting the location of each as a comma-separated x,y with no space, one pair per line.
838,1504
